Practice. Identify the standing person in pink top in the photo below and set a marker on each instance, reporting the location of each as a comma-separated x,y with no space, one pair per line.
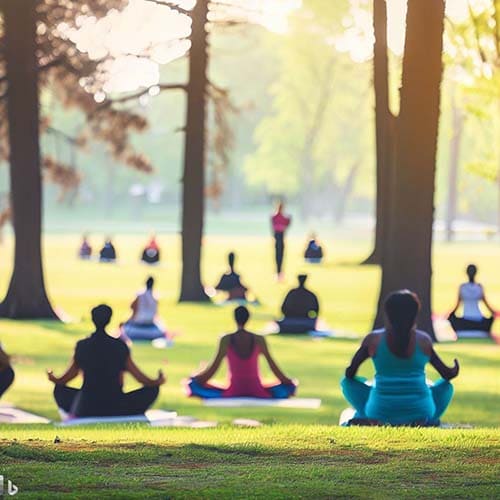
242,349
280,223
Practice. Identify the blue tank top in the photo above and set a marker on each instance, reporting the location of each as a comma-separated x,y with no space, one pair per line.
400,394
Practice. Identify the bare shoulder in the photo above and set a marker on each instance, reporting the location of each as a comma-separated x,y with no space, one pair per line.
424,341
373,337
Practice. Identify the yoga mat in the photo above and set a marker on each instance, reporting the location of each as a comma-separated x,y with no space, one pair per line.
299,403
11,415
156,418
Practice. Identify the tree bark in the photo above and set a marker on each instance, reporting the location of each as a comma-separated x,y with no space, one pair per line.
407,257
193,195
455,143
26,297
383,119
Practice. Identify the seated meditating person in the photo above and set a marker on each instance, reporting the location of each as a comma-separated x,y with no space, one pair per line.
300,308
108,252
103,361
151,254
242,349
6,371
143,325
314,252
471,294
85,250
231,283
400,352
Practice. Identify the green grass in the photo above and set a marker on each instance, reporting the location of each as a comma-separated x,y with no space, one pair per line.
288,456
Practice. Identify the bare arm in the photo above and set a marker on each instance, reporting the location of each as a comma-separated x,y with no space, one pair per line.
446,372
487,304
272,364
141,377
361,355
205,375
71,373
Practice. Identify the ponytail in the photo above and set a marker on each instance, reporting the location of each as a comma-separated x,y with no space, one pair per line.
401,309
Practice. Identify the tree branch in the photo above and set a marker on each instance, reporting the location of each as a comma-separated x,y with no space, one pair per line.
172,6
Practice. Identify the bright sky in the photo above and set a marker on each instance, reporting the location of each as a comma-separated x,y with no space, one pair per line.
159,34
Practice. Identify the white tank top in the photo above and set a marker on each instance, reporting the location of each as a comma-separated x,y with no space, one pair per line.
471,294
147,307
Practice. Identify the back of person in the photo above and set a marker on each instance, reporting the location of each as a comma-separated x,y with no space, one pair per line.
244,371
299,303
146,309
471,294
102,360
400,393
280,222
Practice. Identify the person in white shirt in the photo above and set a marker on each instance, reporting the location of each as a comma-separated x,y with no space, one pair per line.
471,294
144,324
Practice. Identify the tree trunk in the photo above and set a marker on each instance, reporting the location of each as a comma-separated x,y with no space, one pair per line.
193,194
455,143
407,257
26,297
383,119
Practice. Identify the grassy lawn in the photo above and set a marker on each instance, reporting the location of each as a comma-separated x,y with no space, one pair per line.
287,457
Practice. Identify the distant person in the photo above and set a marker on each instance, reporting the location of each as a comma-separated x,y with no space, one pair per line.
85,250
280,223
242,349
151,254
6,371
314,252
400,352
230,282
471,294
144,324
300,309
108,252
103,360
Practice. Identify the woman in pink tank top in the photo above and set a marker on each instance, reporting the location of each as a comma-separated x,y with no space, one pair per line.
242,350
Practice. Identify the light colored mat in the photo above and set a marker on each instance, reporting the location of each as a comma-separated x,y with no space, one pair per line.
299,403
11,415
156,418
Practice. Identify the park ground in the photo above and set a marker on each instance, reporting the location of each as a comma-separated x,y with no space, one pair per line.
287,456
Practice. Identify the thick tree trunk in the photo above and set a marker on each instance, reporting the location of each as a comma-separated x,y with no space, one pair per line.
407,260
383,119
455,143
26,296
193,195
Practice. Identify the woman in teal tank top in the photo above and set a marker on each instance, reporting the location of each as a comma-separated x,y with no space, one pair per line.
400,352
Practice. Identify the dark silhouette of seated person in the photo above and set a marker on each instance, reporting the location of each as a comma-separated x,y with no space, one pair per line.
300,309
85,250
231,283
471,294
103,361
144,324
400,353
108,252
151,254
314,252
6,372
242,350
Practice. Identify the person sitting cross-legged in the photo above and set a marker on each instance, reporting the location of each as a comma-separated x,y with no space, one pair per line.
242,349
107,252
300,308
151,253
314,252
85,250
103,360
400,394
230,282
144,324
6,372
472,323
